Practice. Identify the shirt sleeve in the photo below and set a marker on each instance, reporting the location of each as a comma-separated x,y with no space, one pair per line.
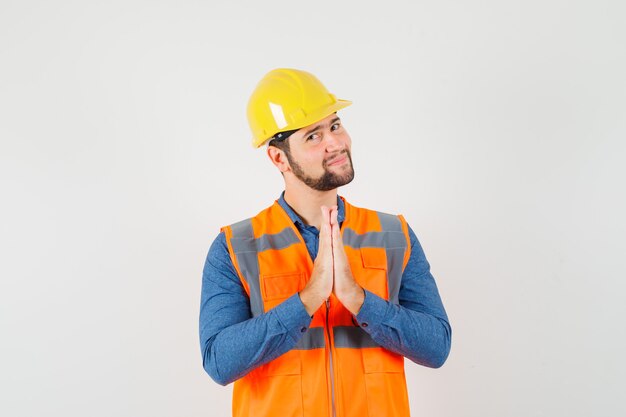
231,340
418,326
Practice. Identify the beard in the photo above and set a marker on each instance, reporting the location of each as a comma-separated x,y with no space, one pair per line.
328,180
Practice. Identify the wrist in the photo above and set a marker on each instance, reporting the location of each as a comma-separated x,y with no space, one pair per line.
353,298
311,300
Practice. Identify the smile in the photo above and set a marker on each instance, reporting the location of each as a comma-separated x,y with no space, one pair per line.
339,161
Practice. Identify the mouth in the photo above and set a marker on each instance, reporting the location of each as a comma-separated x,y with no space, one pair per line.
339,160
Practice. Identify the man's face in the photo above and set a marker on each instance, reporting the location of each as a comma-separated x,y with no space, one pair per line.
320,156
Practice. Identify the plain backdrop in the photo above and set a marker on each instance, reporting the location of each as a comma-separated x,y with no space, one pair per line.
497,128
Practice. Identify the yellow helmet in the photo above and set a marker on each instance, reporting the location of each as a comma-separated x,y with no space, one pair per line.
288,99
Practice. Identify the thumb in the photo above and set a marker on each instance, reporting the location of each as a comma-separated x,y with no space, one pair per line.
336,233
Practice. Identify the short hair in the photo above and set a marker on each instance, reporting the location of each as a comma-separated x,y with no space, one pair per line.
282,144
280,140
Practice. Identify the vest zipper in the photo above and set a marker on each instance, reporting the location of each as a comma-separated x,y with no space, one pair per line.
330,350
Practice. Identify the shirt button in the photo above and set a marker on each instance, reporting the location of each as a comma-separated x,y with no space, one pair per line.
364,324
302,330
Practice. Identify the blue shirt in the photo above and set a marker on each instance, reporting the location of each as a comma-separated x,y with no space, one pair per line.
233,342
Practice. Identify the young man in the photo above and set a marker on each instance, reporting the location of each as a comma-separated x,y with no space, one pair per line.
311,305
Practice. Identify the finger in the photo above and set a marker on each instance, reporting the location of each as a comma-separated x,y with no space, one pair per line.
333,216
325,228
334,226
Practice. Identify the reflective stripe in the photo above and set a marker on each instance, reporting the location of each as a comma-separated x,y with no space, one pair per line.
391,238
243,246
281,240
389,222
366,240
382,239
352,337
247,248
313,338
395,247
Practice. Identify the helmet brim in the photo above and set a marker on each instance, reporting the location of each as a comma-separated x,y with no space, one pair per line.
310,119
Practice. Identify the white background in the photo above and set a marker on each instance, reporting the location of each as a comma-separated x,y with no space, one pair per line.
497,128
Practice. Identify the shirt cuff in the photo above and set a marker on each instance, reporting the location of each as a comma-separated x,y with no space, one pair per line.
293,316
372,312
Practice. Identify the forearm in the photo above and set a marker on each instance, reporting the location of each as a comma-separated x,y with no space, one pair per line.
418,326
237,349
422,337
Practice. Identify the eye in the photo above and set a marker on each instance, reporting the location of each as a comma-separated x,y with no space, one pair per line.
335,126
312,136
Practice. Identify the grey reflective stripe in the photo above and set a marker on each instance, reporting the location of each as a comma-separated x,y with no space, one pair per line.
395,246
247,248
392,239
244,248
313,338
352,337
281,240
366,240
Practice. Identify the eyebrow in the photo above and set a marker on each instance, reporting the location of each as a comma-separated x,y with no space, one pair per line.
318,127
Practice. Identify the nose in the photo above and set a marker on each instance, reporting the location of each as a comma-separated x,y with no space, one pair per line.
334,143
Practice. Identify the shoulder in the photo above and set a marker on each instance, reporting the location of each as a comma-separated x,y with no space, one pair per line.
388,221
218,263
244,223
349,206
218,251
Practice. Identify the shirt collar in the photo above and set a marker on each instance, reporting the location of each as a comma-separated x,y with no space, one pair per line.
297,220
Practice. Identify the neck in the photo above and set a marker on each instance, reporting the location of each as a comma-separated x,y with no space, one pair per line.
306,202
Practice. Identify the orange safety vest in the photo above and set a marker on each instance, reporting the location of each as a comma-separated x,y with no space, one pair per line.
336,369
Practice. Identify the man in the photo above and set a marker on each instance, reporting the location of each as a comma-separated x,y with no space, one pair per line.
311,305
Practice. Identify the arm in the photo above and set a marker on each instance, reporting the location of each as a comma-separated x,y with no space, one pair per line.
232,342
418,327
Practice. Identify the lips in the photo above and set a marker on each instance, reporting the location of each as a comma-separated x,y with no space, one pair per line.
339,160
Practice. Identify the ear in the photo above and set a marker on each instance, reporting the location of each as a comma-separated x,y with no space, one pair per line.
278,158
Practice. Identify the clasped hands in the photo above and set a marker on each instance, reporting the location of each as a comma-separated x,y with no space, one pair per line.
331,270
